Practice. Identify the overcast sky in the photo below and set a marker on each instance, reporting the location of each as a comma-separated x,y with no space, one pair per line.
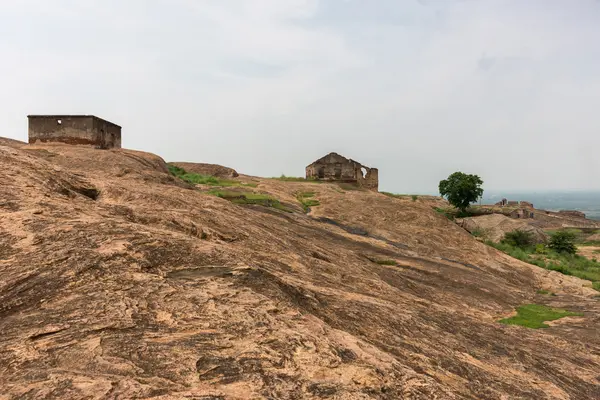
507,89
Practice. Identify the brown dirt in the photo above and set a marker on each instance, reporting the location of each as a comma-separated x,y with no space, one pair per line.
119,281
591,252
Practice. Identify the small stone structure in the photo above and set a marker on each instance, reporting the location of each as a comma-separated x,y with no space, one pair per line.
512,203
336,168
74,129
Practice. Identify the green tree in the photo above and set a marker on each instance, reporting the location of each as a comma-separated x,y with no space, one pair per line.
563,242
461,189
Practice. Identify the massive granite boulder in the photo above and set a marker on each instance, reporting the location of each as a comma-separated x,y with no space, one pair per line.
494,226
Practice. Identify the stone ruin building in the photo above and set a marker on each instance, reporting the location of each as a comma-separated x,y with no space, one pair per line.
336,168
74,129
513,203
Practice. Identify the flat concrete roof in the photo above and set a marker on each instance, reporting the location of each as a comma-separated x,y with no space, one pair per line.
72,116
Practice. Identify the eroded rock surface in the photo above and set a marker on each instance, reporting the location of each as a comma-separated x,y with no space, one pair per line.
119,281
494,226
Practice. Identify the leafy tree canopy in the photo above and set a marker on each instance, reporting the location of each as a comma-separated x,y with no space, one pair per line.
461,189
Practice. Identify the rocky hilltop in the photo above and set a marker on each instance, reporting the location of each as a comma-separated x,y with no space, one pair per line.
119,281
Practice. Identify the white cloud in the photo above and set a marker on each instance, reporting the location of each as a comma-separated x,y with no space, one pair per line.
506,89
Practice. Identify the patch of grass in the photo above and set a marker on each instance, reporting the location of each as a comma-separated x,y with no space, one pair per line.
534,315
250,198
545,292
296,179
596,251
592,243
480,233
386,262
199,179
567,264
445,212
349,186
414,197
307,201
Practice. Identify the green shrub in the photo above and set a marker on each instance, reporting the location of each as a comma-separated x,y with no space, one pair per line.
567,264
414,197
534,315
563,242
519,238
479,232
540,248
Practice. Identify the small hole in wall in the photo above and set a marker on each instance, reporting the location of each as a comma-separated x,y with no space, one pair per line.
59,121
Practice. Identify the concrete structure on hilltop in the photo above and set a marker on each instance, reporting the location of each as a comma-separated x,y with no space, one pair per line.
74,129
336,168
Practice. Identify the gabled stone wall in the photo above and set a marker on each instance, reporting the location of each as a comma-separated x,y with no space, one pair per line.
336,168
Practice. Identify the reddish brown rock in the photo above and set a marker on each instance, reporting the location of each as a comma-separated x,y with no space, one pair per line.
119,281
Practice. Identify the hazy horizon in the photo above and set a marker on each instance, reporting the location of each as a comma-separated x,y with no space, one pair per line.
419,89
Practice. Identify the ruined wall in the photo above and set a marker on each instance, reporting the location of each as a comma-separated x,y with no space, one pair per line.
370,180
110,134
77,130
334,167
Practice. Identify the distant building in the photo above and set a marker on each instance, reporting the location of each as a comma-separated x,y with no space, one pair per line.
526,204
74,129
334,167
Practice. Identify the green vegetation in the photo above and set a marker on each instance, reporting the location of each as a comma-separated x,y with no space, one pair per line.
545,292
250,198
480,233
563,242
414,197
386,262
296,179
565,263
519,238
534,315
461,189
349,186
199,179
305,198
453,213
